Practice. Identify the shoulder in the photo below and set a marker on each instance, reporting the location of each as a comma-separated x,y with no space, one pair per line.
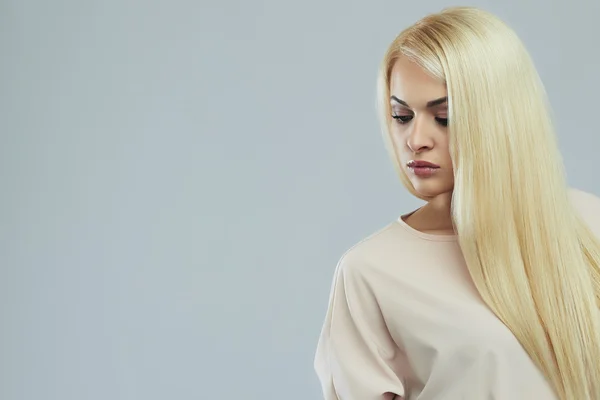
583,199
587,205
376,250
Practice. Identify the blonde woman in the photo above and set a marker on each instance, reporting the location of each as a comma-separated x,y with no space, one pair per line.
491,289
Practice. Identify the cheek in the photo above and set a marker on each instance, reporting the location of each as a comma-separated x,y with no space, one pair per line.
446,150
400,149
399,139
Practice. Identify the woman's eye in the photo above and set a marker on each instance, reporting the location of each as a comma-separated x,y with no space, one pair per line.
402,119
442,121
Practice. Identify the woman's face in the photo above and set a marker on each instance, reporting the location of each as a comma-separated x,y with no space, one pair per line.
419,128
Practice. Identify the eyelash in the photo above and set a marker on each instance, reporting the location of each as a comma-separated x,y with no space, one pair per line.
401,119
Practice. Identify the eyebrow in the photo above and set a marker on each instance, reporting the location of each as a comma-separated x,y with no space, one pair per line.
429,104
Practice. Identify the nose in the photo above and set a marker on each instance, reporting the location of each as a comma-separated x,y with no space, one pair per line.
418,139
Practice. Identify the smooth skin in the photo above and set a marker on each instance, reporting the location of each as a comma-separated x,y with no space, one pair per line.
419,132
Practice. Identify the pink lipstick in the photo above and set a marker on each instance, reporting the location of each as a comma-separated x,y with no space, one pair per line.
422,169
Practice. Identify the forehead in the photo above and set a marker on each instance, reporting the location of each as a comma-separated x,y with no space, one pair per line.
411,83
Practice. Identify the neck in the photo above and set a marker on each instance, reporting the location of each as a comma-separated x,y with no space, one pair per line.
441,205
436,215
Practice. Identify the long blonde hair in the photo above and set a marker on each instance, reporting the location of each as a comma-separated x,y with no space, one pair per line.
535,263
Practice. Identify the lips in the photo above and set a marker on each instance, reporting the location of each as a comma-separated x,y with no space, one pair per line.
421,164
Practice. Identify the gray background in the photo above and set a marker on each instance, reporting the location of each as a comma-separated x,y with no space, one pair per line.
179,179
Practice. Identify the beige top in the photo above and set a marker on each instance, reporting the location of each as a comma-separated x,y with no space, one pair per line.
405,318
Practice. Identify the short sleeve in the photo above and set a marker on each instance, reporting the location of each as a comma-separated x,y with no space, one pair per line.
355,359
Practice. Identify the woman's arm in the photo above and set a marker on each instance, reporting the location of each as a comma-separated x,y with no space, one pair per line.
354,359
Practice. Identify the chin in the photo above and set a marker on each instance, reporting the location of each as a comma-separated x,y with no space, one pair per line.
430,188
